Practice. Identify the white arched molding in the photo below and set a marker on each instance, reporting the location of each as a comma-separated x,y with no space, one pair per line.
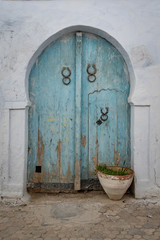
140,113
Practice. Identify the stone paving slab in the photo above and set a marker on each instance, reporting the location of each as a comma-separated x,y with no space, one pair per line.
81,216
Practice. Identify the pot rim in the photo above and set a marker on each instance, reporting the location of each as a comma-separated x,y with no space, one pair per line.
115,176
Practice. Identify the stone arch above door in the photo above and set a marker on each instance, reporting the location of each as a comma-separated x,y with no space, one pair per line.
88,29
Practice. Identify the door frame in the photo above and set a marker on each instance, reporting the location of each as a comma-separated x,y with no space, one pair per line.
55,37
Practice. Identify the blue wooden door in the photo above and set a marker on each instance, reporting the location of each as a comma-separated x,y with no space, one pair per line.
79,114
52,113
105,87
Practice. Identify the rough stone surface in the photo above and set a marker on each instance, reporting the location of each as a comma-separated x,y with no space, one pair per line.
95,219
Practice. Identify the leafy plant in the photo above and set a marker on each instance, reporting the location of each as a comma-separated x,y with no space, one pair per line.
109,171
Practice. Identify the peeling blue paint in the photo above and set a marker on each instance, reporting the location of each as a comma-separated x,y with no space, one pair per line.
62,118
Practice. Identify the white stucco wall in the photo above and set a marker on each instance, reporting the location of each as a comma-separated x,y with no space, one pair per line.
26,25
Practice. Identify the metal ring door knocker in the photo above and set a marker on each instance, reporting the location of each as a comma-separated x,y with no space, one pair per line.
66,77
91,75
103,116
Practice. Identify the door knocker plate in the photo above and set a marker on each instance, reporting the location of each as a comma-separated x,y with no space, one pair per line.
103,116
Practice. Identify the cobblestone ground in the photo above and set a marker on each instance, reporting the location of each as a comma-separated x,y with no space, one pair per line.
81,216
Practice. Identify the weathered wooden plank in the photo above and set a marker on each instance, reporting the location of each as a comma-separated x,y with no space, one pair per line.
109,141
110,89
78,112
53,104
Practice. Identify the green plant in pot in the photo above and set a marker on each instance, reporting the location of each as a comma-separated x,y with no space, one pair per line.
115,180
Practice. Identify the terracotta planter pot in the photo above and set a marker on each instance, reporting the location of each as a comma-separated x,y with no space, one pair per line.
115,186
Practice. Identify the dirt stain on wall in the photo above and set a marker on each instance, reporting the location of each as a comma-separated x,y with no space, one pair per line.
77,183
117,157
58,148
67,178
95,157
40,157
83,141
40,149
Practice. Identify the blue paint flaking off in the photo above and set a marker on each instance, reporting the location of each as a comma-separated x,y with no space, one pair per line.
55,107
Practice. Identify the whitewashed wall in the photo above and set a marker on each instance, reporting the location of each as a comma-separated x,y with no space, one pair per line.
134,27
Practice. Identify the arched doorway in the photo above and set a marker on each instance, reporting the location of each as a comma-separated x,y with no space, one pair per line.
79,114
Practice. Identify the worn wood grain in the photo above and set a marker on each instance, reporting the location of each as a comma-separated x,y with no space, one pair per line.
64,138
77,176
